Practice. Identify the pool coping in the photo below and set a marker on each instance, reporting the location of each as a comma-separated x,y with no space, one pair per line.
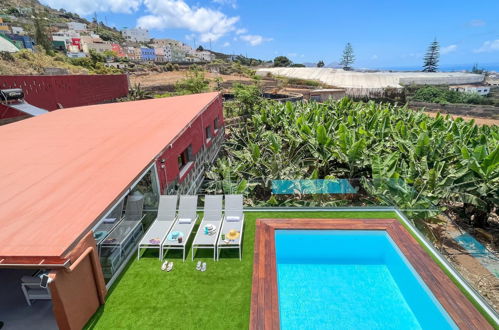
264,295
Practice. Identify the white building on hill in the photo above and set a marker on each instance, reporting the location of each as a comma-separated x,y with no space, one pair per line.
18,30
205,56
477,89
76,26
136,35
163,53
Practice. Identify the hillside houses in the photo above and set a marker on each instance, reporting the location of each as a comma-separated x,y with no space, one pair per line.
77,39
136,35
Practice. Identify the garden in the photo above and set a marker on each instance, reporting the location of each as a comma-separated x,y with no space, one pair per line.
391,154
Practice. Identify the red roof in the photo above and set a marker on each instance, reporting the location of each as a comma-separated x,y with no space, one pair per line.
61,170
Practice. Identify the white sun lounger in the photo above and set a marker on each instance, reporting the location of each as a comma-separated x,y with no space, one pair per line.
212,215
161,226
233,219
186,219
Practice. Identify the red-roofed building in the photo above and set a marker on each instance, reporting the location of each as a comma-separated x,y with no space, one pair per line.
69,177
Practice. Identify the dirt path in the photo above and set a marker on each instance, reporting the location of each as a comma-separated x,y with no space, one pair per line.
478,120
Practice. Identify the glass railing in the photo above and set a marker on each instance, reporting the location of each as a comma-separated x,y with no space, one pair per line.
470,250
324,193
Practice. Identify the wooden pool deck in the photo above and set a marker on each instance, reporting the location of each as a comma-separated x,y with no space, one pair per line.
264,295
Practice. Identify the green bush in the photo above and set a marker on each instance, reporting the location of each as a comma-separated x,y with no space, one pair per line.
6,56
169,67
94,63
194,82
441,95
407,158
297,81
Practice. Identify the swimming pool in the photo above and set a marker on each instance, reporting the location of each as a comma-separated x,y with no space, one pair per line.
350,279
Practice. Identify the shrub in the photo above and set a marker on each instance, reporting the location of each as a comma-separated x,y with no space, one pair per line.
169,67
194,82
6,56
440,95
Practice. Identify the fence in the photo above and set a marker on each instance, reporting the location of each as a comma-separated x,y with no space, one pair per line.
381,94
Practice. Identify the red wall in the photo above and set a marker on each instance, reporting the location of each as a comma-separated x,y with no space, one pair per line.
194,135
78,292
69,91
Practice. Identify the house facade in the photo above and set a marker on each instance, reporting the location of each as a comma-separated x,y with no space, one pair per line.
78,242
147,54
4,27
476,89
136,35
118,50
77,26
17,30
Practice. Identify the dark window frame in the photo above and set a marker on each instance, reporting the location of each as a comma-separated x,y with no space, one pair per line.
185,158
216,124
207,131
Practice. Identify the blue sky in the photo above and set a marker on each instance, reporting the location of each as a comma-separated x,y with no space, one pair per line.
383,33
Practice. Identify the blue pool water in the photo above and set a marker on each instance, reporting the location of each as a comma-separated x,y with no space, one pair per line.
351,279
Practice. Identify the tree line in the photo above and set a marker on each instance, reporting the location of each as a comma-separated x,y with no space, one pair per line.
430,60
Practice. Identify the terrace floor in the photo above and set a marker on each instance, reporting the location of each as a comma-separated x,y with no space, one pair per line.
15,312
144,297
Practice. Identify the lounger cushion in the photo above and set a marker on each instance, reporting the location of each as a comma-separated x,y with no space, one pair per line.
184,220
233,218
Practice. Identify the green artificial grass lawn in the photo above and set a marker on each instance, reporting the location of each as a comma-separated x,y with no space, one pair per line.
144,297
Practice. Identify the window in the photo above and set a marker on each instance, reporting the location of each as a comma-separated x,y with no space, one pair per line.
118,231
208,133
215,124
185,157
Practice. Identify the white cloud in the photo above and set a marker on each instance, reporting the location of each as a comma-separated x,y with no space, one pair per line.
374,57
254,40
488,46
226,44
176,14
232,3
448,49
241,31
86,7
476,23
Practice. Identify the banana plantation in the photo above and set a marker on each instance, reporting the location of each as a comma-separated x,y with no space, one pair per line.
390,154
